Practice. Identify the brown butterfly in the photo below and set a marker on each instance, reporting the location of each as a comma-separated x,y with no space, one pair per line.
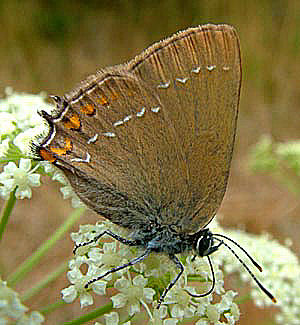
148,144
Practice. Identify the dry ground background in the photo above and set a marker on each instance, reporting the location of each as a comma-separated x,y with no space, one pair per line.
51,45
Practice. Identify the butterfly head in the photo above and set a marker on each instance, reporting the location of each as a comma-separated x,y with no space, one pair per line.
204,243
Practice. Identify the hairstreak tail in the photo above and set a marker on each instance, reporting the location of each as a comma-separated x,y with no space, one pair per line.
148,144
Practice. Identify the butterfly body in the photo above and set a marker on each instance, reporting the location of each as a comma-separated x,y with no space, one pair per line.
161,239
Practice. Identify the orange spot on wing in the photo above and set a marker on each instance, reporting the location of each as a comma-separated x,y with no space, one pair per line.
62,151
72,122
87,109
69,144
46,155
58,151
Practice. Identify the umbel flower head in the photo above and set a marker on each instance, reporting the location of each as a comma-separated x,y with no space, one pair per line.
139,288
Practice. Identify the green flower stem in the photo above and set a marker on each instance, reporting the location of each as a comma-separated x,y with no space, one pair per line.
51,307
92,315
7,211
44,283
128,319
35,258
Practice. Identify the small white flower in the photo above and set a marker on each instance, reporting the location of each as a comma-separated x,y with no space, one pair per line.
182,302
110,258
86,300
113,319
156,265
99,287
132,293
226,301
202,305
79,280
22,177
159,316
212,313
119,300
69,294
49,168
85,234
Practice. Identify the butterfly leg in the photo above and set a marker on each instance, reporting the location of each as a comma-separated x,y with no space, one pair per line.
109,233
180,266
118,268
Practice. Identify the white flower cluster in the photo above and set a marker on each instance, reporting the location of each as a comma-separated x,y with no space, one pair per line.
281,273
138,287
19,124
19,120
12,310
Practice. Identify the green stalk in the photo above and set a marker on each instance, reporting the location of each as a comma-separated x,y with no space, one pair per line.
44,282
92,315
35,258
7,211
51,307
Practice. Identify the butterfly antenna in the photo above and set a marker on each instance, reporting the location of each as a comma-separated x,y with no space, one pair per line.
212,285
243,249
267,292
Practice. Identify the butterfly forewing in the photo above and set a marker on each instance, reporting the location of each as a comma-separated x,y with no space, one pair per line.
154,136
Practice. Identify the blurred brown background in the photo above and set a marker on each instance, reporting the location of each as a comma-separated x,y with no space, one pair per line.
51,45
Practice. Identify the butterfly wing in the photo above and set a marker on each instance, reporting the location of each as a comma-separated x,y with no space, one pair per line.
152,140
201,71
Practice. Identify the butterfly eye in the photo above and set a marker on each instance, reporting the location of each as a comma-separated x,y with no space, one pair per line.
204,244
